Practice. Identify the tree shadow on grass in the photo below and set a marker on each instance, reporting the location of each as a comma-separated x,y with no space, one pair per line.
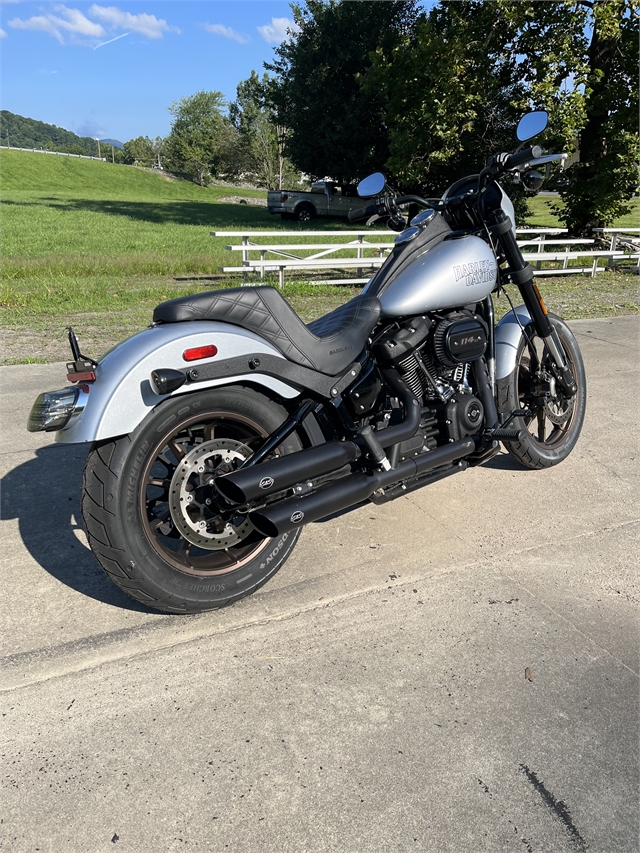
202,214
214,215
43,494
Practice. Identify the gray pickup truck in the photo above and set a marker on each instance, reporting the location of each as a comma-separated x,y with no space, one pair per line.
325,199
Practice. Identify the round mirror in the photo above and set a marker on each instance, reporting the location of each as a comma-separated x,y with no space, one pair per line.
372,185
532,124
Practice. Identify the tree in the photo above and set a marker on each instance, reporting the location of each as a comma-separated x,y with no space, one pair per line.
456,84
335,127
262,138
138,151
599,187
202,140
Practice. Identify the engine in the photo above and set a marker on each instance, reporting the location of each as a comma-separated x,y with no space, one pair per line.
433,356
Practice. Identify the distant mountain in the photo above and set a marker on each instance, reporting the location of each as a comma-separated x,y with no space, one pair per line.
115,142
20,132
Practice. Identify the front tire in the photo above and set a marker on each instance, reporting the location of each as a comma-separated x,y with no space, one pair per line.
554,425
154,520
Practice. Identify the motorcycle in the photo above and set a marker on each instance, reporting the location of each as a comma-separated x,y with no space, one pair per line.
221,430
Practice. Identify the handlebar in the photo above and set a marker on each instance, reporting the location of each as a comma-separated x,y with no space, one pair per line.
521,158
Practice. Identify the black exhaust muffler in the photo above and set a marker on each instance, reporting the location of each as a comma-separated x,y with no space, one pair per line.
251,484
288,514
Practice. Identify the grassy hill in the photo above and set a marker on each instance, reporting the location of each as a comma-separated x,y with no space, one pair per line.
22,171
66,216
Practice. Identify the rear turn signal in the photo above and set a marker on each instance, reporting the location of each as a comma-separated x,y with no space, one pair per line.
200,352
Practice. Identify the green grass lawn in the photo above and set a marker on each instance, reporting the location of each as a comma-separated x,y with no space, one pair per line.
99,245
541,212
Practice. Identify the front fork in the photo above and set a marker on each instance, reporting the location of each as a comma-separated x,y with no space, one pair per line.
519,272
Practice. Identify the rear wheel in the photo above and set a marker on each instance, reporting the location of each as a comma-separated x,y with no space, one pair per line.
554,420
305,213
153,517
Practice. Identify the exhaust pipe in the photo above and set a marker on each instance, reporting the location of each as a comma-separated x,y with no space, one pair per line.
254,483
291,513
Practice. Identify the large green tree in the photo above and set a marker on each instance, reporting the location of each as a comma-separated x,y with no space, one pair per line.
599,187
202,139
455,85
261,136
335,128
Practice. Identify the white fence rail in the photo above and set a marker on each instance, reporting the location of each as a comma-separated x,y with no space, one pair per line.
370,250
59,153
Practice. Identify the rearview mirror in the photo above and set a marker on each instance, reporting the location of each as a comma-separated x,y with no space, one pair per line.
372,185
532,124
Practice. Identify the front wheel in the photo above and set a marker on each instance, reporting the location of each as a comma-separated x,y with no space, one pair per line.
153,517
554,421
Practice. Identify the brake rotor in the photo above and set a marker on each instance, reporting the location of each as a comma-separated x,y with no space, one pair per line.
558,411
192,500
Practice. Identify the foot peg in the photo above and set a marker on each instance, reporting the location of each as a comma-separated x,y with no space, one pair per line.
508,434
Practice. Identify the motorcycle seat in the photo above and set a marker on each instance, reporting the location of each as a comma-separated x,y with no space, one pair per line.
328,345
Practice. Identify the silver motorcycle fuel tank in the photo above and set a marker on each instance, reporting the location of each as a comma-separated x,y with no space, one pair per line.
456,272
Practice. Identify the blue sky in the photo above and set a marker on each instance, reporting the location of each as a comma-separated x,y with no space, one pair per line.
111,71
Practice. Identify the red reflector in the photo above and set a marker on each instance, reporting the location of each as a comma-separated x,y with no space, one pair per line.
200,352
88,376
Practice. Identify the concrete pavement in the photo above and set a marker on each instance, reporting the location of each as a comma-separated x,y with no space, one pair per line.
372,696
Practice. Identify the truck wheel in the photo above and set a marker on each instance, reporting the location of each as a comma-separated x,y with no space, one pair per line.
305,213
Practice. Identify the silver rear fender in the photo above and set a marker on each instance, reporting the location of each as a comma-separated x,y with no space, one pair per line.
122,395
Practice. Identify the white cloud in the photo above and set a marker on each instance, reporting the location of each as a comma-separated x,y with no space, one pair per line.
90,128
226,32
71,25
276,31
145,25
3,35
72,22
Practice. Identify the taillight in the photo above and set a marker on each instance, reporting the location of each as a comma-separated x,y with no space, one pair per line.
284,196
195,353
52,410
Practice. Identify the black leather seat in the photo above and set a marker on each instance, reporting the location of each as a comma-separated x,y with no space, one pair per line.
328,345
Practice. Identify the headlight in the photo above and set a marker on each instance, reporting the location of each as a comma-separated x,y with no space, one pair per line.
52,410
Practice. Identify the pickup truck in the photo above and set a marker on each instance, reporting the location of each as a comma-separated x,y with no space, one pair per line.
325,199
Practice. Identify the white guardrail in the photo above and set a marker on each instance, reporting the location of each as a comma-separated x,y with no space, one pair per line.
370,250
59,153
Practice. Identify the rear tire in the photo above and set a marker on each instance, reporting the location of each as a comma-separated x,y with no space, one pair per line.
555,425
152,516
305,213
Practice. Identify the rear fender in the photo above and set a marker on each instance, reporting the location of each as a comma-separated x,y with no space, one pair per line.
508,335
122,396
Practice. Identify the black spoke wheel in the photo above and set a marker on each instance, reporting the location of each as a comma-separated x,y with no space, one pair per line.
152,514
553,420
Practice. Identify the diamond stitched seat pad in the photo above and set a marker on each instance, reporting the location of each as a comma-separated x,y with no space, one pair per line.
328,345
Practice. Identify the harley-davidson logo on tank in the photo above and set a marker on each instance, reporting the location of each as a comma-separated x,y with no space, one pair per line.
475,273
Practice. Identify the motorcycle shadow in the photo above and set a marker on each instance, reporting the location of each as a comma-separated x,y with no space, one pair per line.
44,495
504,462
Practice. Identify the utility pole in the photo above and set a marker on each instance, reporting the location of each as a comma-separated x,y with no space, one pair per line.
98,141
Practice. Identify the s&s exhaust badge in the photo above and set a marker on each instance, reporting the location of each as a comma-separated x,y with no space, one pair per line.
297,517
266,482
